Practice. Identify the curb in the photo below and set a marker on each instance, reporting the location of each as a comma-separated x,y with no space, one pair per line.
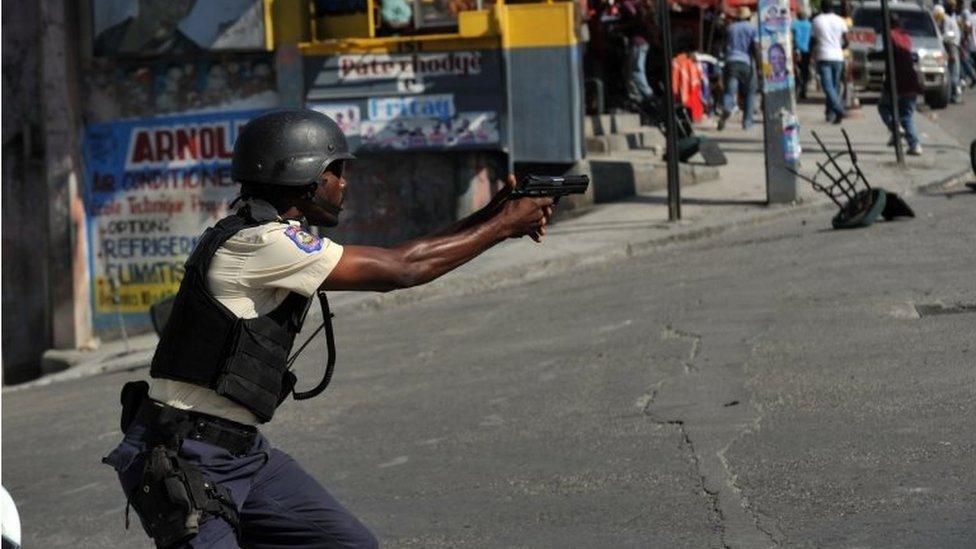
942,183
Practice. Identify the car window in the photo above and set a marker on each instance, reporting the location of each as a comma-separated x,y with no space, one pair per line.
917,23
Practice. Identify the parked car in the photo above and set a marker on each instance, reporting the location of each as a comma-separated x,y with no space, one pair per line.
928,51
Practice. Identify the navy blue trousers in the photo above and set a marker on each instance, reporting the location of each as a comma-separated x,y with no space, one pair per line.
280,504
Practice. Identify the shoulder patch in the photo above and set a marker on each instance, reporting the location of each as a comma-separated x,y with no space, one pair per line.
305,241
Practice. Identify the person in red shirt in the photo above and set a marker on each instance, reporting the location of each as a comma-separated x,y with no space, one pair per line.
908,89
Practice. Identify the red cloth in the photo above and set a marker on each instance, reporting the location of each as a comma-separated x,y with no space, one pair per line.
686,79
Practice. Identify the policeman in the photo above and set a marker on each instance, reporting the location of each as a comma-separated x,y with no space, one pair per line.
192,463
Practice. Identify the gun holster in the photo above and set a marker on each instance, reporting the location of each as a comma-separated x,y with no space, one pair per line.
133,393
173,499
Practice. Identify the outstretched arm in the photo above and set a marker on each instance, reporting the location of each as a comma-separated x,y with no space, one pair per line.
424,259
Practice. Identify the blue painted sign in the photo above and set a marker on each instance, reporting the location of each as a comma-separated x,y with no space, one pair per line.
151,186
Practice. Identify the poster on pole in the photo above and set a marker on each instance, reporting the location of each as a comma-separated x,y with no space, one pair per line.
152,185
776,44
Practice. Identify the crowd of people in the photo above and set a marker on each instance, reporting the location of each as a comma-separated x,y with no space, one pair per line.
958,28
624,41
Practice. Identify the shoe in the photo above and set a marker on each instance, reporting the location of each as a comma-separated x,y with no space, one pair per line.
838,119
915,151
721,121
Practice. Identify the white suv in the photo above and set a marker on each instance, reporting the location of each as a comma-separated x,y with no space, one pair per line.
928,51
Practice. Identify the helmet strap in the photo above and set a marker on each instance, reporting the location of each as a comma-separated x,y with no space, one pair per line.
328,206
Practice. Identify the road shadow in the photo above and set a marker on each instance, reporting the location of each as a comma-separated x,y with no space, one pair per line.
643,199
969,189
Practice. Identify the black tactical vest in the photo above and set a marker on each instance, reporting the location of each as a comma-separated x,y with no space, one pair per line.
245,360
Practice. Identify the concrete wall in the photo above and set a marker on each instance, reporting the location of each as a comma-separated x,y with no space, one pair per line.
25,318
396,197
61,124
44,290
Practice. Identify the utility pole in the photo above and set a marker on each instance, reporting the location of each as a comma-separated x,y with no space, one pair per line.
780,138
892,83
674,184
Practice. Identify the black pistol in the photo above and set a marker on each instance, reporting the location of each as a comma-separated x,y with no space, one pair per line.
538,186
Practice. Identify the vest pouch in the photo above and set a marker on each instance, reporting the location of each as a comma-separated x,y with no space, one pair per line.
185,351
255,371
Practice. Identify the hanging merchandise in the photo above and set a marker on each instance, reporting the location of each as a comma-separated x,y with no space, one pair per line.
686,78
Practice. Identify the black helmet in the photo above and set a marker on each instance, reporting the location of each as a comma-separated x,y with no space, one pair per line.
288,147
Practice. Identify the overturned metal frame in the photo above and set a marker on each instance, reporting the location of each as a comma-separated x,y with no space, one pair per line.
843,183
859,203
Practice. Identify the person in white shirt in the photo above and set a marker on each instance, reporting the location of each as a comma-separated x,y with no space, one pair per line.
951,38
830,39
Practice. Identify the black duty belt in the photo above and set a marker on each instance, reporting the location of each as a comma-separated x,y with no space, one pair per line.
236,438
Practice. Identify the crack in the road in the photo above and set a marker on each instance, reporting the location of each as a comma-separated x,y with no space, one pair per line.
731,477
732,480
719,472
670,332
714,507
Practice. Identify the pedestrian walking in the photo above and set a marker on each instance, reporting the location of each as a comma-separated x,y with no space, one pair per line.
634,24
967,24
951,39
741,53
908,89
801,29
192,463
829,32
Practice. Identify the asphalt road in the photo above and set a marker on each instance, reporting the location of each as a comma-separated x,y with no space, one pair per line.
959,120
772,386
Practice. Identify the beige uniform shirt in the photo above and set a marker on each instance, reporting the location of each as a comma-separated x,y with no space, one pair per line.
251,274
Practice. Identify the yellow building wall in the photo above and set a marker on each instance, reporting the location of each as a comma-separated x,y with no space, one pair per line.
287,21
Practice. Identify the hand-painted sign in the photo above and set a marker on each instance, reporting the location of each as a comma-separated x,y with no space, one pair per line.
417,65
151,187
133,27
345,115
428,106
466,129
429,101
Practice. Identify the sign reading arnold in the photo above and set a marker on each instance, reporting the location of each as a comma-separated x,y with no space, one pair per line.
416,101
152,186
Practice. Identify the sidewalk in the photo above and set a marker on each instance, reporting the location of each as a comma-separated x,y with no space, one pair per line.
615,231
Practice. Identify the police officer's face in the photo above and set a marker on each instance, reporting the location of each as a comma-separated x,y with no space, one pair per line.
323,210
